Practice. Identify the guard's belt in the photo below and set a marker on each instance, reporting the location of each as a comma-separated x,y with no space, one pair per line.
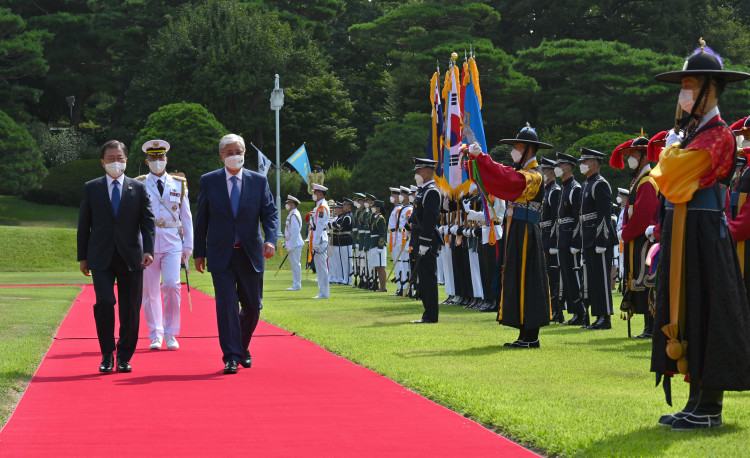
545,224
526,214
566,220
588,216
162,223
706,199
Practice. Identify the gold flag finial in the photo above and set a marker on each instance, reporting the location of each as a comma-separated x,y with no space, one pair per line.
527,124
642,132
702,42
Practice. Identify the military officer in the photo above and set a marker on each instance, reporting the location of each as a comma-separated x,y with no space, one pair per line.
550,204
293,241
343,251
378,245
393,222
402,240
424,237
173,245
598,236
319,239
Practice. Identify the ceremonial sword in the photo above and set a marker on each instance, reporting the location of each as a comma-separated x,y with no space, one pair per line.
282,263
187,281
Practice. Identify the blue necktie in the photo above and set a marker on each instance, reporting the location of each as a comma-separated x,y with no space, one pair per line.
234,196
116,196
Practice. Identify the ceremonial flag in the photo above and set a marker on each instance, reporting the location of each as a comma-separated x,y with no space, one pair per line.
452,173
473,128
435,141
299,161
264,164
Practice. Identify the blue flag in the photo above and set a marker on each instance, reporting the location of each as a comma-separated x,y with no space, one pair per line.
473,126
299,161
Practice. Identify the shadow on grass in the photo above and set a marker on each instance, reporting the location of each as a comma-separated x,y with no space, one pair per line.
474,351
654,440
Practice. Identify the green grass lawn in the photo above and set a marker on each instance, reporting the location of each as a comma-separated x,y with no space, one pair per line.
17,212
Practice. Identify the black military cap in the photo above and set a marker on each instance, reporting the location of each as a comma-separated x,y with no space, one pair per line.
562,157
587,153
546,163
423,162
370,196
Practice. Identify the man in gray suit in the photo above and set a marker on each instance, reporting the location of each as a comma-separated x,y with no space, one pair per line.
114,211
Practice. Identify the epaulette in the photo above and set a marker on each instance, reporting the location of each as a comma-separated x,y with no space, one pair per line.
177,177
140,177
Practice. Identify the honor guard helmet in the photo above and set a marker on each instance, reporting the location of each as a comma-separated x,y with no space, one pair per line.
703,62
638,144
741,127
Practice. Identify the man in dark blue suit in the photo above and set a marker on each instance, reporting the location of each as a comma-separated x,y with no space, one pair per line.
114,211
231,203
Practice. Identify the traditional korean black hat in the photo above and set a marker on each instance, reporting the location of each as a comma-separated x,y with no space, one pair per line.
703,61
562,157
527,135
587,153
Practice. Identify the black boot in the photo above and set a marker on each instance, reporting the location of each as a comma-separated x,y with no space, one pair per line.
604,322
692,402
521,333
577,320
707,414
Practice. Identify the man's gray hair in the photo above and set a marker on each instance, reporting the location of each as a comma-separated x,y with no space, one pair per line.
229,139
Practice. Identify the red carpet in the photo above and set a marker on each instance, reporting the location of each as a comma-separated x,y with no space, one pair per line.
296,400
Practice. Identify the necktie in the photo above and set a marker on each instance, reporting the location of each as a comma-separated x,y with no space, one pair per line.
160,187
116,196
234,196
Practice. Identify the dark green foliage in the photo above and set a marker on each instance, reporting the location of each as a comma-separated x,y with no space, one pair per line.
338,182
291,184
21,164
193,135
387,161
65,146
64,184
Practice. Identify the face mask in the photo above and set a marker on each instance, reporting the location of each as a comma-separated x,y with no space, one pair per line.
418,178
115,169
357,205
367,205
516,155
584,168
619,199
685,100
157,167
411,199
558,172
287,206
632,162
234,162
393,199
401,199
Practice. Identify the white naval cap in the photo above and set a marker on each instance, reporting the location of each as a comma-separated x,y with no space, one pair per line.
319,187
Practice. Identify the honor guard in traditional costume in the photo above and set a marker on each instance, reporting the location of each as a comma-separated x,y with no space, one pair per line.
342,249
319,239
173,246
640,213
738,213
622,201
378,245
550,204
597,237
568,256
524,300
293,241
424,239
401,270
702,317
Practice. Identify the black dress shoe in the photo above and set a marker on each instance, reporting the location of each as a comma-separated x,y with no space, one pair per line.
422,320
525,344
123,366
247,360
577,320
691,421
108,363
511,344
230,367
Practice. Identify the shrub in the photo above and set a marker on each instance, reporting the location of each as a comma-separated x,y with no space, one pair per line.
291,183
65,146
337,182
64,184
21,165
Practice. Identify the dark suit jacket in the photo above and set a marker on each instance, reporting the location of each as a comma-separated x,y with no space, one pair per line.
99,231
215,224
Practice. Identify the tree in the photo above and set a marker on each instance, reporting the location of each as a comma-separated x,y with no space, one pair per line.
21,58
193,135
21,162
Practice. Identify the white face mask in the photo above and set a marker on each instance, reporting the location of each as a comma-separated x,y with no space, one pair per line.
234,162
393,199
418,178
516,155
411,199
401,199
632,162
584,168
685,99
287,206
357,205
619,199
558,172
367,205
157,167
115,169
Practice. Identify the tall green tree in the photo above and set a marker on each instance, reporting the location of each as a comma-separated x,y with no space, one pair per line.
21,58
21,162
224,55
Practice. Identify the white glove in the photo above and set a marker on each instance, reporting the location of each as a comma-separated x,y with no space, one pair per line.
574,250
553,251
650,233
673,137
467,209
475,149
454,229
467,232
600,249
619,235
186,252
423,250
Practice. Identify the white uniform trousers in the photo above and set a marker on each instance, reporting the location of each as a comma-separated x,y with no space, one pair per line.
335,268
294,263
440,273
321,268
342,255
476,276
402,268
166,265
